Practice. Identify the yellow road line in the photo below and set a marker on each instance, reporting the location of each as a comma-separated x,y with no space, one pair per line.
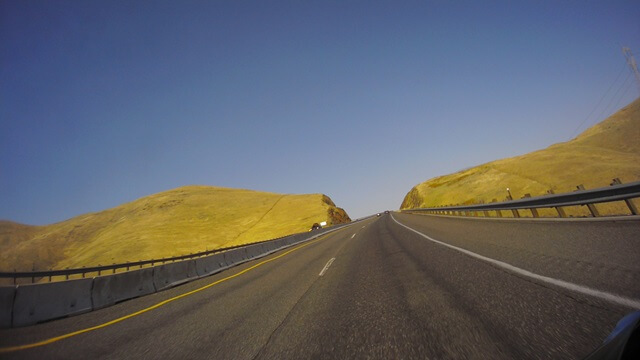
65,336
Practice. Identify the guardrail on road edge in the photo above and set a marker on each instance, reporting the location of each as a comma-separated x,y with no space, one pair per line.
616,192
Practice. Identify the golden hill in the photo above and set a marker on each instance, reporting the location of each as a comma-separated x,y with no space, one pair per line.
605,151
176,222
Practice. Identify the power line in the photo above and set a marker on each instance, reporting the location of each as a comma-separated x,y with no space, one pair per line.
614,97
575,132
623,94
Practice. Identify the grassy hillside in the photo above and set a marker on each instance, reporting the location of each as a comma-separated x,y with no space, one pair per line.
607,150
180,221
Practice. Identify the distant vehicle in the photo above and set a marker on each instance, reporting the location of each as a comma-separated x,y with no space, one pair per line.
378,214
315,226
386,211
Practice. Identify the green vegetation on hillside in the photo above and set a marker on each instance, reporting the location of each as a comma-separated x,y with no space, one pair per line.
181,221
610,149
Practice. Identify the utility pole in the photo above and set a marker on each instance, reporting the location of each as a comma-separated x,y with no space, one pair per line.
632,64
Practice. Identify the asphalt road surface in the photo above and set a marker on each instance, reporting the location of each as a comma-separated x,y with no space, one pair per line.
378,289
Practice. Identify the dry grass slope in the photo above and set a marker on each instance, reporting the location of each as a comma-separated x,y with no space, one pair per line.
176,222
605,151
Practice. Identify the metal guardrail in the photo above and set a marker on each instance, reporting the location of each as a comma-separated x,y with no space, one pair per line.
113,267
616,192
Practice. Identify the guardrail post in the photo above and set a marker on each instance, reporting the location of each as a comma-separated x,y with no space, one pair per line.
559,209
592,207
484,212
515,212
534,211
498,212
632,207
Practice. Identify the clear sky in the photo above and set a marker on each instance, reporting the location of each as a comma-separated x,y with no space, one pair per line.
104,102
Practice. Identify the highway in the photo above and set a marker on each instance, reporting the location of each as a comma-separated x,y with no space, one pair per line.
398,286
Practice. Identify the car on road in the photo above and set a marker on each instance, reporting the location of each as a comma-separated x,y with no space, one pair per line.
315,226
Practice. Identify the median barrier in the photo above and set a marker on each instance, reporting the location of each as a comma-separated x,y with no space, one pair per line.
294,239
265,249
32,303
254,251
280,243
270,247
288,240
7,293
234,256
210,264
111,289
304,236
173,274
35,303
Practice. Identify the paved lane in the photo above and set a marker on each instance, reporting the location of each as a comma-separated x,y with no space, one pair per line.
392,294
601,254
385,292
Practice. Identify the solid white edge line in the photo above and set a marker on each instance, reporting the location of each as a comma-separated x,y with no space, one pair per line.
326,267
621,300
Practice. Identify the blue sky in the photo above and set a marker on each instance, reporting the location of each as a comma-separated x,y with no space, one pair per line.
103,102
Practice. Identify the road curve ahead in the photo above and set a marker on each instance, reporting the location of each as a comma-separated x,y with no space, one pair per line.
396,286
